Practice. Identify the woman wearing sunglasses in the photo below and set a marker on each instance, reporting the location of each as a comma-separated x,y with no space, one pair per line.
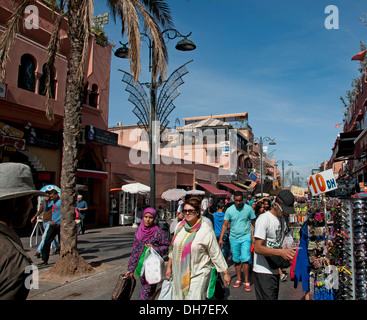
193,253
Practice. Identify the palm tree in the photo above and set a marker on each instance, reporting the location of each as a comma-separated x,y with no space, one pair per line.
79,14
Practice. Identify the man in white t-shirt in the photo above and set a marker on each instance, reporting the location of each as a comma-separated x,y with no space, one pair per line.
269,235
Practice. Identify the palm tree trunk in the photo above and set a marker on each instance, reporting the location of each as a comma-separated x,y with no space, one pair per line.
70,263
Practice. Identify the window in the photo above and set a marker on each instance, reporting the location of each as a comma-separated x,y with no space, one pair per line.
85,94
93,97
26,73
42,84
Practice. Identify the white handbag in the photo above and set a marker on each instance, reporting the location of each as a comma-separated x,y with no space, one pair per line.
153,266
166,290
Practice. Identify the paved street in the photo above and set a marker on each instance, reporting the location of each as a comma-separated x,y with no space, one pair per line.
108,251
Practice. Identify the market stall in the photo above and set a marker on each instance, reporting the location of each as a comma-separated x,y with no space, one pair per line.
171,196
129,204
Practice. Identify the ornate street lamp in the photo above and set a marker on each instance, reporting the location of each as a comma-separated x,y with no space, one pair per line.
283,162
156,107
261,143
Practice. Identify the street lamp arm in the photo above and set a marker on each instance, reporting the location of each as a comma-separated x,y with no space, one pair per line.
176,34
169,90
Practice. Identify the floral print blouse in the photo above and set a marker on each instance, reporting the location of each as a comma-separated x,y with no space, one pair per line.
159,241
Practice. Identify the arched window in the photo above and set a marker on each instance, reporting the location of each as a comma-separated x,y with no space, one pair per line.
93,96
26,73
85,94
42,83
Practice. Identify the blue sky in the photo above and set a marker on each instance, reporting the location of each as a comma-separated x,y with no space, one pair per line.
272,59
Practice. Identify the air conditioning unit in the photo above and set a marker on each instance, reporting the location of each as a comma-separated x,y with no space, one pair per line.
3,90
82,136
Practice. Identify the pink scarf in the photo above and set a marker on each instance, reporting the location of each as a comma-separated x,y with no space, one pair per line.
145,233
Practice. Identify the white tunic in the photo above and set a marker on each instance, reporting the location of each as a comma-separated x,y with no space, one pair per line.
205,252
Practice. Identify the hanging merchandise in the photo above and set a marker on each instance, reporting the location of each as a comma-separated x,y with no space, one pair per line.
360,248
342,248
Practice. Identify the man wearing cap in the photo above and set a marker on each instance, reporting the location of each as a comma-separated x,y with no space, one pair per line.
54,227
270,230
16,193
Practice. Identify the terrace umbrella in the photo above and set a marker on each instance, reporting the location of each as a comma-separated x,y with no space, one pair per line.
173,194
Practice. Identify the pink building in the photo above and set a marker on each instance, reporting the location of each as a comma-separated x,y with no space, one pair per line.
25,133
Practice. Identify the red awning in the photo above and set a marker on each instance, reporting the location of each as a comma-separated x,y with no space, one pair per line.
213,190
83,173
231,186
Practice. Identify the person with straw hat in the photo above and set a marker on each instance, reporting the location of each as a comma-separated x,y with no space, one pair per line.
16,193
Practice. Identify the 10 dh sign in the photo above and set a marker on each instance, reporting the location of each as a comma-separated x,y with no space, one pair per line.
322,182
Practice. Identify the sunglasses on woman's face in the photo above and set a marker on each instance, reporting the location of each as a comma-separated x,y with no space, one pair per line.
188,211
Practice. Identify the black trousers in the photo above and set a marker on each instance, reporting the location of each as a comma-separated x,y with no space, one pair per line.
266,286
52,232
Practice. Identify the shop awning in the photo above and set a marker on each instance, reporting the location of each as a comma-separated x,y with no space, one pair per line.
213,190
344,145
231,186
242,185
360,143
84,173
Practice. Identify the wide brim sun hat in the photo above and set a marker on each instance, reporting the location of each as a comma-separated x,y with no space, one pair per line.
16,181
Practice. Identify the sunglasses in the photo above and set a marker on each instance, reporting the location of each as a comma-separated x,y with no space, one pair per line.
360,204
189,211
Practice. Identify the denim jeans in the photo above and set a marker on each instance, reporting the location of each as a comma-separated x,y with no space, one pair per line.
225,248
51,234
54,243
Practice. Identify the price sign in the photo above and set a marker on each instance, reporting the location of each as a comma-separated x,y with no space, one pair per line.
322,182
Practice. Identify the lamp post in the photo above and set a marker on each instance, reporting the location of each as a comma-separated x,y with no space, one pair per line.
148,110
261,141
283,162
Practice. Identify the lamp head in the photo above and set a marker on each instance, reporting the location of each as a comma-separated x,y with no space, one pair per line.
122,52
185,45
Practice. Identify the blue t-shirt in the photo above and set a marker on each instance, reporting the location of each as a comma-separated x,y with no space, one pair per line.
56,212
81,205
240,221
218,222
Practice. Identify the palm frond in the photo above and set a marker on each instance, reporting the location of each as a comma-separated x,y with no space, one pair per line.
131,19
87,13
160,58
51,55
160,10
8,37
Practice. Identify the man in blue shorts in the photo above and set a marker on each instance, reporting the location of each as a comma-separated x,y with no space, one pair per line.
239,216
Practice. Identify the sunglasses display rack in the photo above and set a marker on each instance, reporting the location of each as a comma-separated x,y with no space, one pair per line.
342,250
323,285
359,243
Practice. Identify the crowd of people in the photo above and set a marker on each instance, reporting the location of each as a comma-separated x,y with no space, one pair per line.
249,232
197,242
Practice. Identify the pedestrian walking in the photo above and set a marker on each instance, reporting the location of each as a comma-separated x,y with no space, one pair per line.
270,230
54,227
148,234
239,217
82,208
218,217
193,253
16,193
46,220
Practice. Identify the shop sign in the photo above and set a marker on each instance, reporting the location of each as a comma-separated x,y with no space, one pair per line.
225,147
8,130
322,182
42,138
101,136
19,144
297,191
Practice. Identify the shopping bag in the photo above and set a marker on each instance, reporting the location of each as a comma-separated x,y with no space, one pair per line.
166,290
212,283
124,288
151,265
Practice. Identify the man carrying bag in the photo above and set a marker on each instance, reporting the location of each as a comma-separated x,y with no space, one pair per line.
270,230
